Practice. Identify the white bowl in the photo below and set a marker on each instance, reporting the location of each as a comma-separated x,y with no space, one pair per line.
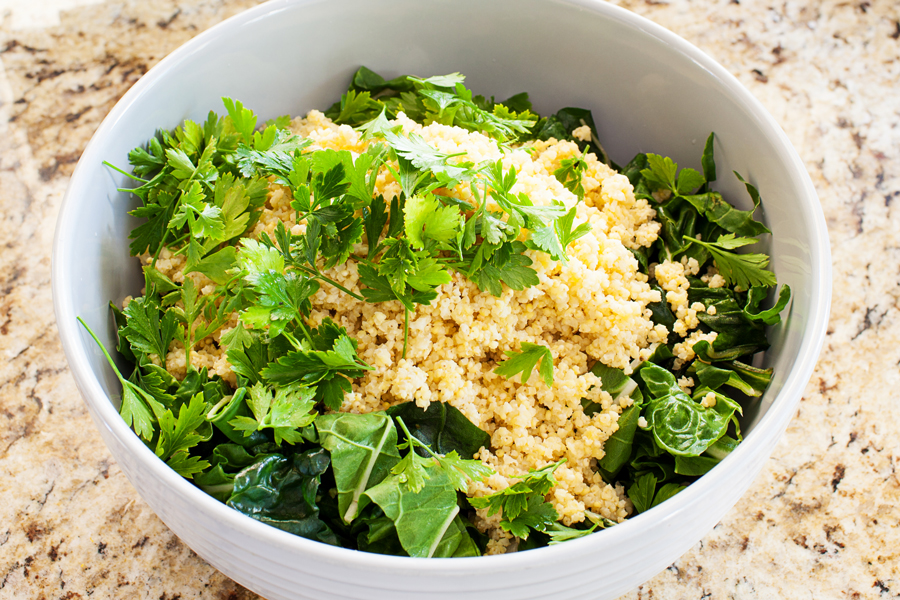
649,91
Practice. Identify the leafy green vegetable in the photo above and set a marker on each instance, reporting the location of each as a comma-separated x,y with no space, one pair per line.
681,426
560,533
425,218
570,173
421,515
145,330
178,436
356,480
281,491
772,316
363,451
442,427
617,449
412,470
563,123
136,403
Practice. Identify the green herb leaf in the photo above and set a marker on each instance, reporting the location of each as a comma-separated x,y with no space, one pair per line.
525,361
145,331
425,218
178,436
741,270
243,119
522,504
660,172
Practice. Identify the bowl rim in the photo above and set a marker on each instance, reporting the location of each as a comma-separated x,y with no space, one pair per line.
772,422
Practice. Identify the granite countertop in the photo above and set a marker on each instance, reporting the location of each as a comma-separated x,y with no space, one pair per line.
821,520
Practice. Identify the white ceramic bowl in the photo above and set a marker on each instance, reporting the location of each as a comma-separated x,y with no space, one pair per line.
649,91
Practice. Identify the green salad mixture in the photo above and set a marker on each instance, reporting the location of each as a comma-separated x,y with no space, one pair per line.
277,448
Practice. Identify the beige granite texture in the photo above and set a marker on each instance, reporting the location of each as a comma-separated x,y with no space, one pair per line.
820,522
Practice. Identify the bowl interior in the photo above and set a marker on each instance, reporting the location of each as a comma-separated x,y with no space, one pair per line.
648,90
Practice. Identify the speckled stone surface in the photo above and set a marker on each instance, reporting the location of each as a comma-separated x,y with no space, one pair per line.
822,520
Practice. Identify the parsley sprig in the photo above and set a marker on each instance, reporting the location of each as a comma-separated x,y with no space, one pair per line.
522,504
525,361
413,469
741,270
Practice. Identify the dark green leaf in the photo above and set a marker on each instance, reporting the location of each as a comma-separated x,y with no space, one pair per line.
282,491
442,427
679,424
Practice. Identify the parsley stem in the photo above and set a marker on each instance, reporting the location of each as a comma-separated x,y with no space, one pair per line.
414,441
405,329
129,175
159,248
103,349
321,277
305,331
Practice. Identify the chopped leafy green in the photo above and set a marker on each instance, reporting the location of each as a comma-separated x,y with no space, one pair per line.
421,515
680,425
442,427
178,436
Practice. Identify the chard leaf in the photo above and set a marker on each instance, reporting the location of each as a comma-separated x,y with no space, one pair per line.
216,482
363,451
642,491
680,425
708,160
695,466
771,316
712,206
665,492
281,492
442,427
456,542
423,516
617,449
564,122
